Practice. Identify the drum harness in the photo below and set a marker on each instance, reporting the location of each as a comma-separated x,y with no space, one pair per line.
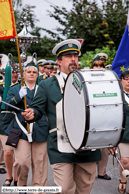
126,98
29,135
63,143
61,83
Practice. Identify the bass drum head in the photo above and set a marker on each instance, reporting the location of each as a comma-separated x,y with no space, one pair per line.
74,109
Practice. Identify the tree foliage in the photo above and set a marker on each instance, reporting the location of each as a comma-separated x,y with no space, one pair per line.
10,47
98,25
43,48
115,14
88,57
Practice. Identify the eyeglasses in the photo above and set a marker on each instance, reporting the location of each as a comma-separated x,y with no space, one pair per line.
126,78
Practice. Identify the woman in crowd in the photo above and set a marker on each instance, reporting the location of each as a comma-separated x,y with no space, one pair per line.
124,144
97,64
26,153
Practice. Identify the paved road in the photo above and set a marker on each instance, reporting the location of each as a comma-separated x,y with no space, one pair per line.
99,187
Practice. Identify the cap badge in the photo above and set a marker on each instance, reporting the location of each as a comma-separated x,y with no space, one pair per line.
70,45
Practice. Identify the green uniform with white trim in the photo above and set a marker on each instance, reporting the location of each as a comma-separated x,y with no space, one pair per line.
47,96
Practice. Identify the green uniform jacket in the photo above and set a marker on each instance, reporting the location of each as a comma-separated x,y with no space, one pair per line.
125,138
5,119
47,96
42,77
40,128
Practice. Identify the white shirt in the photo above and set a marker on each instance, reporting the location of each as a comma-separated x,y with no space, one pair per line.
31,88
64,75
14,83
41,73
45,74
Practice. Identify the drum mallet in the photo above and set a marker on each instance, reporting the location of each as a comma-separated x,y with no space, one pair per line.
125,173
11,105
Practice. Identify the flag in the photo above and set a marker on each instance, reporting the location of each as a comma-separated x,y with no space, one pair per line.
121,60
80,40
7,29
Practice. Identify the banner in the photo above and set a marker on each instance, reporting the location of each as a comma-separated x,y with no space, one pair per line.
121,60
7,29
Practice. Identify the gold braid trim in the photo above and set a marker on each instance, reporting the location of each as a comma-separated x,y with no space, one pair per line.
14,100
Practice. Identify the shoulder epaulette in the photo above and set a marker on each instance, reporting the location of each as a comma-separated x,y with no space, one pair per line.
2,83
19,81
44,76
14,84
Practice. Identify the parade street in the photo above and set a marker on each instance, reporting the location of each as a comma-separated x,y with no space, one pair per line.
100,186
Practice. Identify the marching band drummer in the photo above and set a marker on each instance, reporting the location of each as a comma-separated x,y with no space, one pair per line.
124,144
26,153
98,64
75,173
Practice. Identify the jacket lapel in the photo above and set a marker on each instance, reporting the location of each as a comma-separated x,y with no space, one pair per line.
30,93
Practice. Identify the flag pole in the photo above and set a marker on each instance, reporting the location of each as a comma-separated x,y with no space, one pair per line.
17,43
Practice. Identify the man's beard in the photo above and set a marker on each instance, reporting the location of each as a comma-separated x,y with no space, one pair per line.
72,66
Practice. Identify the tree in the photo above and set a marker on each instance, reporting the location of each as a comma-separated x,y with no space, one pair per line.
83,21
98,26
17,3
10,47
43,48
31,17
115,14
88,57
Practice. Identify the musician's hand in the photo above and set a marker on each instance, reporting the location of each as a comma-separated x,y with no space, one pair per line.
23,92
28,114
112,150
51,74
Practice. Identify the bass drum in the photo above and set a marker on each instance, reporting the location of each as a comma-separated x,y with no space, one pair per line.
93,109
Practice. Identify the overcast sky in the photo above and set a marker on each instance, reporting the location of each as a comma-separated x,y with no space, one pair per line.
41,12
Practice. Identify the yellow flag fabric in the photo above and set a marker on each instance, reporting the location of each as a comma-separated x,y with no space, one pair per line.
7,29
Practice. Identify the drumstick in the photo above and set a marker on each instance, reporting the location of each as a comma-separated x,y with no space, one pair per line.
125,173
11,105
